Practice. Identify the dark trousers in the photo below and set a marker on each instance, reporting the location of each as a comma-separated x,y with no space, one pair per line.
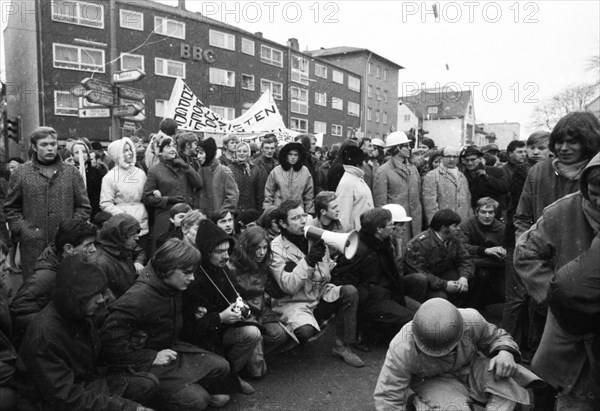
380,310
515,316
487,287
345,310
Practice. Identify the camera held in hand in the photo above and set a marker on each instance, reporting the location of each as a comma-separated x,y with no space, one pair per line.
241,307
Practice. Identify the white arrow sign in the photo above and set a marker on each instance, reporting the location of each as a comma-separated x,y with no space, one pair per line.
94,112
128,76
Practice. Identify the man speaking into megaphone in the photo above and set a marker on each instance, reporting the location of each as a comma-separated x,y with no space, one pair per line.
304,276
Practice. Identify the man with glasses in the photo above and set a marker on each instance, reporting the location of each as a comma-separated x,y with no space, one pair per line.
41,194
447,188
304,276
398,182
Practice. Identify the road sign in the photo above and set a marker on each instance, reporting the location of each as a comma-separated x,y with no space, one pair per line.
128,76
103,112
78,91
131,93
99,97
123,111
95,84
138,118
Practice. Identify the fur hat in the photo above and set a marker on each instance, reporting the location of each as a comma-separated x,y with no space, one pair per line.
353,156
210,148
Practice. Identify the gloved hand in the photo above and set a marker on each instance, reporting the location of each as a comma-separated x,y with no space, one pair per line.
175,199
316,253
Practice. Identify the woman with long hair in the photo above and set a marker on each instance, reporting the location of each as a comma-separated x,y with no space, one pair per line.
249,268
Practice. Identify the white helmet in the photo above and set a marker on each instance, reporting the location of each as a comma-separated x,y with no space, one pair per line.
378,142
398,213
396,138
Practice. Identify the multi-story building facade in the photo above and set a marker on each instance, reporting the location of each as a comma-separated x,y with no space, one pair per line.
497,133
379,87
52,45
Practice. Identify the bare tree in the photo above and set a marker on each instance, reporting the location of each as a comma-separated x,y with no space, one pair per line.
547,113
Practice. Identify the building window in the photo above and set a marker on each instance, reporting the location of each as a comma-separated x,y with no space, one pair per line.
385,118
369,134
221,77
78,58
320,71
169,68
377,116
320,99
168,27
247,46
228,113
349,132
378,93
337,103
432,110
248,82
338,76
370,91
320,127
65,104
221,40
385,96
271,56
275,87
160,107
300,70
299,124
78,12
299,97
406,118
369,113
370,69
353,109
353,83
133,20
386,74
132,61
336,130
378,71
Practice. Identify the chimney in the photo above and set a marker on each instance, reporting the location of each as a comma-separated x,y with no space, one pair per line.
293,44
181,4
258,34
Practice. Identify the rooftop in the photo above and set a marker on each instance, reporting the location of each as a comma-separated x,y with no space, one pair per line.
345,50
451,104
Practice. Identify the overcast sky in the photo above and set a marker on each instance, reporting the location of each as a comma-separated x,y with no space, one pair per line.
510,53
526,51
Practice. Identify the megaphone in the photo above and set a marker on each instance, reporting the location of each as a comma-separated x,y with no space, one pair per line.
346,243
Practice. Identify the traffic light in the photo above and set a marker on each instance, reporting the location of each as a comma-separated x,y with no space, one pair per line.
13,128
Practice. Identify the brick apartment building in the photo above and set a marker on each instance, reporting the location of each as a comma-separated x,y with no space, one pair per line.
379,87
52,45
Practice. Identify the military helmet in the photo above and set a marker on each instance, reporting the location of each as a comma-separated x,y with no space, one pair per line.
437,327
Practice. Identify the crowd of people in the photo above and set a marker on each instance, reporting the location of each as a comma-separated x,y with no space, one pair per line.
162,275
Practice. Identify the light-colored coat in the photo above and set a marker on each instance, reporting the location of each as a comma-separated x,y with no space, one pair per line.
305,285
354,197
404,364
441,190
123,186
400,184
289,185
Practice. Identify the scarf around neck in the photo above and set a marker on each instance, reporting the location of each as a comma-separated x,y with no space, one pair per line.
570,171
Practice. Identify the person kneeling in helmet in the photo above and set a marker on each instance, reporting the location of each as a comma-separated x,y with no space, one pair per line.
437,357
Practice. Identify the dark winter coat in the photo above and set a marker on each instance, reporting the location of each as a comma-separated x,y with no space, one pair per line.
61,346
491,184
426,253
264,166
543,186
208,331
516,176
171,181
39,198
36,292
93,179
8,355
116,261
476,237
220,189
372,265
248,186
